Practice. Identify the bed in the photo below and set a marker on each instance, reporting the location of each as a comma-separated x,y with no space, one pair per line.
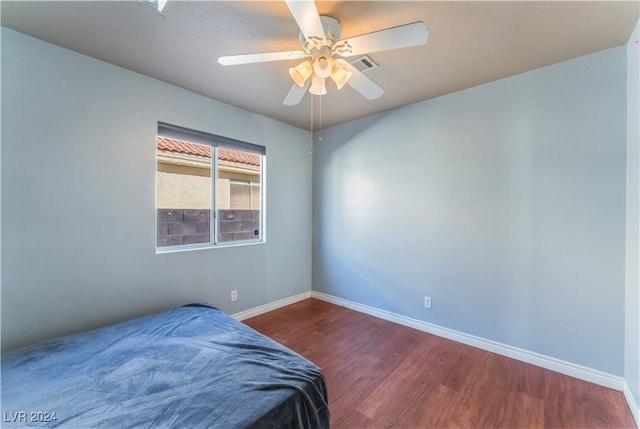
189,367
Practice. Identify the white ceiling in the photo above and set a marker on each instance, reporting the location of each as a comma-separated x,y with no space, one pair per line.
470,43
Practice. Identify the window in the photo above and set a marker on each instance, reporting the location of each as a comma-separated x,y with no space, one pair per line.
208,190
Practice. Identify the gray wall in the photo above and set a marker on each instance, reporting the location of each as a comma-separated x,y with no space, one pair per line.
632,300
504,202
78,198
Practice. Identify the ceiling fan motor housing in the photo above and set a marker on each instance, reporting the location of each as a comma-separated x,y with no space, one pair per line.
332,34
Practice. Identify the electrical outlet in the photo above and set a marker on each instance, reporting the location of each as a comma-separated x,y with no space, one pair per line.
234,295
427,301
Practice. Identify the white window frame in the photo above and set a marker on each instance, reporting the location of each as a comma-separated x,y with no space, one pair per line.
215,142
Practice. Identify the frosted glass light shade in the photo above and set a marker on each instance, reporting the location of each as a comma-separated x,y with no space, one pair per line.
339,75
317,85
323,65
301,73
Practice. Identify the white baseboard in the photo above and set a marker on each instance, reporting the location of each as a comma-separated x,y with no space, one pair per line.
553,364
632,402
261,309
564,367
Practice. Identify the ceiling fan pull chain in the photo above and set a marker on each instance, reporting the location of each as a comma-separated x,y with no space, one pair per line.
313,143
320,120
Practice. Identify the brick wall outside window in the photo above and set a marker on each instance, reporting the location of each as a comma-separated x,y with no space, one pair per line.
192,226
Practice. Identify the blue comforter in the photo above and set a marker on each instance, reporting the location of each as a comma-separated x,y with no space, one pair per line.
190,367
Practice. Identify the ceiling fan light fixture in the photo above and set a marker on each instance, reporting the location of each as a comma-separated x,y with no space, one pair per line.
323,63
301,73
321,38
317,85
340,75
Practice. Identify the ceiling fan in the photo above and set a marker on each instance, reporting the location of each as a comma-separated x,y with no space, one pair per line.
323,51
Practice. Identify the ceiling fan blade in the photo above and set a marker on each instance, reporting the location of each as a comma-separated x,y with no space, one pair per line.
233,60
296,93
307,17
361,83
392,38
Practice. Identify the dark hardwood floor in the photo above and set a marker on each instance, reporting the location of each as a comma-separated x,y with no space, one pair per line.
381,374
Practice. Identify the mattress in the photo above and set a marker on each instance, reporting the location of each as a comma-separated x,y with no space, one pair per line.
189,367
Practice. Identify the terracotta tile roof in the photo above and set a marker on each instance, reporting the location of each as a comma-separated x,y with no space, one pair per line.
180,146
237,156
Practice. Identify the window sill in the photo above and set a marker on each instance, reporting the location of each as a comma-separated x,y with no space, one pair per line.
192,247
